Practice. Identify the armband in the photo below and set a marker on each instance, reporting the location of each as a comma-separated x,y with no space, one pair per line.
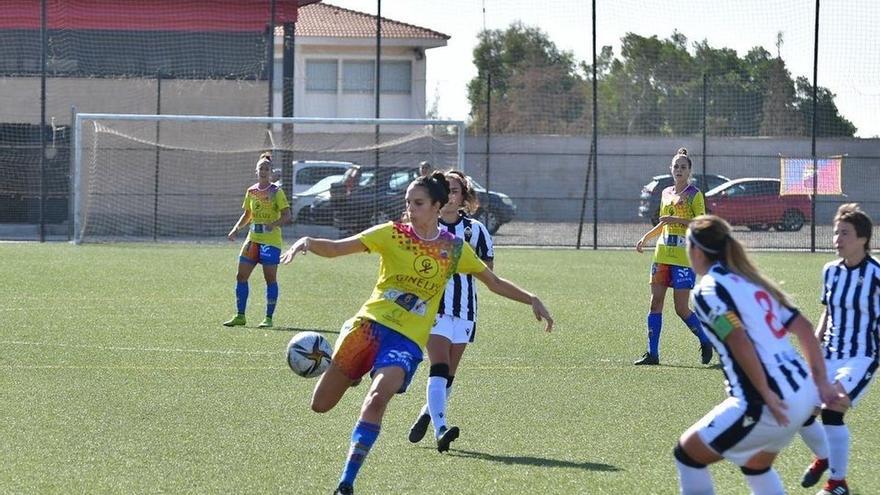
726,323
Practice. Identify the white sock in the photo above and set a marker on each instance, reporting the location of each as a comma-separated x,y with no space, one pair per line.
437,402
425,412
838,455
694,481
766,484
814,437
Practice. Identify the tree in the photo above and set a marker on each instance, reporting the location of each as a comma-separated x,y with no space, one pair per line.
536,87
780,113
654,87
829,122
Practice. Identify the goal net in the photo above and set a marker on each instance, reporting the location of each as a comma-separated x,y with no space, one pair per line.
177,177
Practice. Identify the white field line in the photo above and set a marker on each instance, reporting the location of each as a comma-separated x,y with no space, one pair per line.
140,349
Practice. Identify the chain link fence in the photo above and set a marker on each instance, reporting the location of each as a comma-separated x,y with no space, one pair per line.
577,125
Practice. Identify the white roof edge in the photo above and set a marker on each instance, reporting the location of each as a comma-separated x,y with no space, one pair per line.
426,43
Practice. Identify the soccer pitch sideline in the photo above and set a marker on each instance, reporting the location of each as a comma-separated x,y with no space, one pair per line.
117,377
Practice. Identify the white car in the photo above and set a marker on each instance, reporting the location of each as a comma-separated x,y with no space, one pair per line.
300,203
307,173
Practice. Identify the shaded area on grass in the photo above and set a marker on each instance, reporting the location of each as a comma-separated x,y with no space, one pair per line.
525,460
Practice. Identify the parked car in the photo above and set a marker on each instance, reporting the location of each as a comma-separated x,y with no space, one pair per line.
756,203
357,204
368,198
307,173
496,208
649,204
300,204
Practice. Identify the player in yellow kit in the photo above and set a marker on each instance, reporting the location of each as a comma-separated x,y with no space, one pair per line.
266,209
387,335
680,203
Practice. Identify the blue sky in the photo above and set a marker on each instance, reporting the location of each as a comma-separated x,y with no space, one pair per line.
849,58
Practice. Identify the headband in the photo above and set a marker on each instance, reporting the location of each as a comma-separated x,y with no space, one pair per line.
695,242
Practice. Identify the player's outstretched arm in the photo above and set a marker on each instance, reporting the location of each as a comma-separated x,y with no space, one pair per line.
822,326
284,219
243,220
511,291
649,235
668,219
325,248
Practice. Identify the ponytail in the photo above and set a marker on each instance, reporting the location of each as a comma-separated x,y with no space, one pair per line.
711,235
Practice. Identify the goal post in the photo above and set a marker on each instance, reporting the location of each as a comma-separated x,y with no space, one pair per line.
183,177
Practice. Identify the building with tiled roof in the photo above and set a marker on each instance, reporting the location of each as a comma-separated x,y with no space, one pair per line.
323,20
335,58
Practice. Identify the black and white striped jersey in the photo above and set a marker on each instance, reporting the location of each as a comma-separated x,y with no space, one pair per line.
851,296
460,298
722,297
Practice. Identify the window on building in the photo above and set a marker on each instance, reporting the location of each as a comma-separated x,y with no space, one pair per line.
358,76
321,75
396,77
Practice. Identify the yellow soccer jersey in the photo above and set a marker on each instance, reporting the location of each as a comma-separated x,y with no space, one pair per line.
412,276
670,249
265,206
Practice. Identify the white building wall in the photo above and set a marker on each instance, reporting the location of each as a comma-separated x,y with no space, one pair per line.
342,104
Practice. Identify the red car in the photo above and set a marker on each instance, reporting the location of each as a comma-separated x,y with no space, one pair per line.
756,203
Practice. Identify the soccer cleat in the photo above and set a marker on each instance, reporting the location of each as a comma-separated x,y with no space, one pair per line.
705,353
814,472
446,437
266,323
419,428
237,321
647,359
835,487
344,489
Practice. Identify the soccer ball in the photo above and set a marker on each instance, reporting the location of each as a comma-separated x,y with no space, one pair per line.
308,354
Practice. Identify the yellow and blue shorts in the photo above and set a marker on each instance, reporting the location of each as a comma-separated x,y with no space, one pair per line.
254,252
674,276
364,345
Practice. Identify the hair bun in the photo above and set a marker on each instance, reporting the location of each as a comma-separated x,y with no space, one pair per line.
441,179
682,151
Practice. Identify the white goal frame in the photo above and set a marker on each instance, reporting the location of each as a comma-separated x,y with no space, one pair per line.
80,118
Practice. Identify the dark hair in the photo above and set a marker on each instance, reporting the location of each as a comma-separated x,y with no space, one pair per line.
683,152
852,214
471,203
437,186
711,235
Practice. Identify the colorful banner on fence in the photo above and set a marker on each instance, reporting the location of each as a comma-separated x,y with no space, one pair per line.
797,175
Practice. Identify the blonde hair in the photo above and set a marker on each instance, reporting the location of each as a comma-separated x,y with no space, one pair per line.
265,156
712,235
684,153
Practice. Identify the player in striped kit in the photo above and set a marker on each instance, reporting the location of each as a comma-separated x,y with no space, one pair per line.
770,389
848,330
455,325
